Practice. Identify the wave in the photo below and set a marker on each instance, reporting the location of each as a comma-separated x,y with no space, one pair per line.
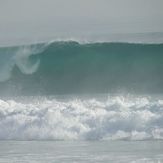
74,68
86,38
111,118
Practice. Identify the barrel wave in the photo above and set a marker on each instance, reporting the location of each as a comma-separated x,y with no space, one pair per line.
73,91
74,68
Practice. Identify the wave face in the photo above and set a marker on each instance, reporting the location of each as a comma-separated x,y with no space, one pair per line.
32,76
111,118
73,68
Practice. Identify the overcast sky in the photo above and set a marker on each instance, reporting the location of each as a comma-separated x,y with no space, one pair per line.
42,19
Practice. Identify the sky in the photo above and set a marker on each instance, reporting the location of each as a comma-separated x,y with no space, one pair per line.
38,20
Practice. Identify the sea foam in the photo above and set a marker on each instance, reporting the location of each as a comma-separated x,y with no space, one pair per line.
115,118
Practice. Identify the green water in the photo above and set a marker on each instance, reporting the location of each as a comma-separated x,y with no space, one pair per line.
73,68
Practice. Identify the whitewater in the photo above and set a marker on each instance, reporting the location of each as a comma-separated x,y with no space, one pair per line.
109,118
71,91
67,101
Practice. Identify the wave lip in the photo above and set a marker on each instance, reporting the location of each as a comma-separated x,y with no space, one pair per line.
18,57
117,118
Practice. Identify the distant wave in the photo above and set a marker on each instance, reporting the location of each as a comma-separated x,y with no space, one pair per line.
114,118
86,38
70,67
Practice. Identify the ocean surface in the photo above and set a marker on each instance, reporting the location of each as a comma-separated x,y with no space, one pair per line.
81,151
69,101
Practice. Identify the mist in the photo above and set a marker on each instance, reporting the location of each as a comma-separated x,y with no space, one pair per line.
24,21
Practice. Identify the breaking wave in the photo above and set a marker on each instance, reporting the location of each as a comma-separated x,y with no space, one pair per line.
74,68
111,118
32,76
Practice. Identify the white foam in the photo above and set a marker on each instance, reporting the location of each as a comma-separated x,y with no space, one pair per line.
136,118
21,59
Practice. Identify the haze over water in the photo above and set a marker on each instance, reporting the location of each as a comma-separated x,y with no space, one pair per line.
81,81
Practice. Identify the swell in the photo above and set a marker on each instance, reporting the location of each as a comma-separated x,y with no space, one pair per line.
73,68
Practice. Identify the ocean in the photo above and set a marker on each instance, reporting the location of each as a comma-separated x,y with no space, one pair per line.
67,101
81,151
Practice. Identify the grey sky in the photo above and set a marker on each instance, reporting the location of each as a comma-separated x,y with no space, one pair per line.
42,19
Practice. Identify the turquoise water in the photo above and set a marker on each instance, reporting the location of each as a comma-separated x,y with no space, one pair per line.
74,68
